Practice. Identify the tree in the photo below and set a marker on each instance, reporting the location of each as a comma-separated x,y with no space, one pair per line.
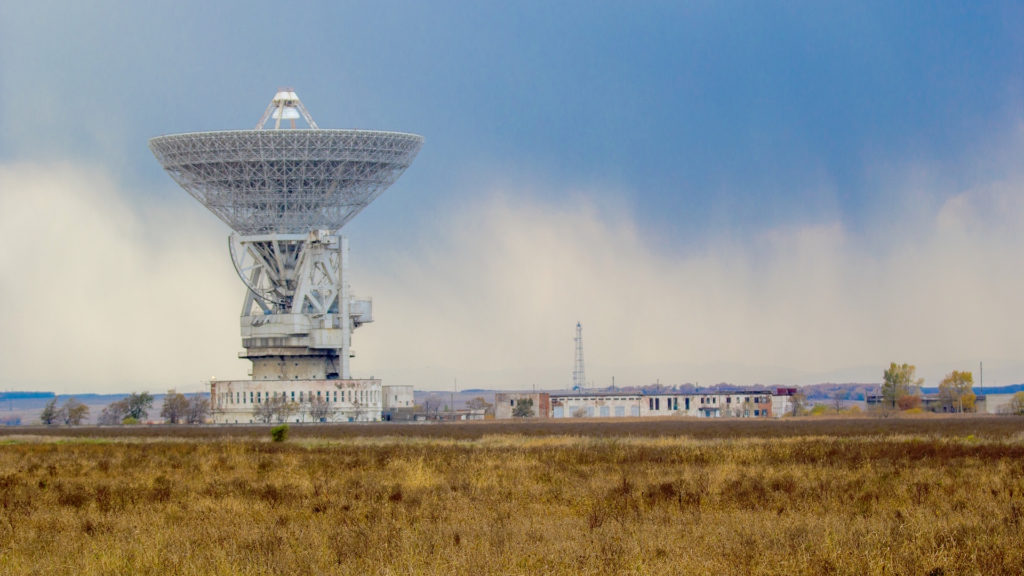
73,412
319,410
50,413
480,403
1017,404
956,392
274,408
175,407
908,402
432,404
139,405
115,413
837,399
900,380
798,403
264,410
523,408
198,409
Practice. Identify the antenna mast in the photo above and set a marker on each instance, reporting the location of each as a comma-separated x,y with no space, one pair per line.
579,379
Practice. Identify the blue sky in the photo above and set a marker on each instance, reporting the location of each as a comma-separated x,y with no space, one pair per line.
717,168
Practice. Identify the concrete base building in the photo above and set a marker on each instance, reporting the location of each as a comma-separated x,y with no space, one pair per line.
399,403
263,401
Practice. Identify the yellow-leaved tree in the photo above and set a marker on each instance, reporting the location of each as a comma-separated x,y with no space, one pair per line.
900,385
956,392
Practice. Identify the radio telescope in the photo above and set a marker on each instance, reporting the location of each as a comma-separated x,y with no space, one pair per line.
286,192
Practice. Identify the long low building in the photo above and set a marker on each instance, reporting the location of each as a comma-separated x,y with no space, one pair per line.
747,404
757,404
255,401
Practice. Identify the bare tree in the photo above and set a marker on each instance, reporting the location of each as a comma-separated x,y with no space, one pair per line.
320,410
432,404
73,412
283,409
175,407
264,410
837,399
480,403
198,409
115,413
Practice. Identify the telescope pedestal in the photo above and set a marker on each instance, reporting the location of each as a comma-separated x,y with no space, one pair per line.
298,314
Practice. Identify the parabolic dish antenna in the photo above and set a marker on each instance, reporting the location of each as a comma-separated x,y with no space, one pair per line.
286,181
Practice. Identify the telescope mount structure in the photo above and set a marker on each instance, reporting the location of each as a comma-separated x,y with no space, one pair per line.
286,192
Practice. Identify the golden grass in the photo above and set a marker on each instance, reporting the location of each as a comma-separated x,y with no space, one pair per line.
508,503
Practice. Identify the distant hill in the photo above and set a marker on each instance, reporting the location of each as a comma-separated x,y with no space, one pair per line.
5,396
1010,389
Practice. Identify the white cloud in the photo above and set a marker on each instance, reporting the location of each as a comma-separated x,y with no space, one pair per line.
102,293
491,297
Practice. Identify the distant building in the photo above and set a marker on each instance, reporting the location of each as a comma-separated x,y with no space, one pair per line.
236,401
505,404
782,401
398,403
736,404
995,403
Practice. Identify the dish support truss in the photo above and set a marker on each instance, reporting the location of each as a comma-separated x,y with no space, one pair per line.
298,313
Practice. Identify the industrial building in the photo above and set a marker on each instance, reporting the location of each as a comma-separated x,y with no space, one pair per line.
307,400
733,404
286,192
537,404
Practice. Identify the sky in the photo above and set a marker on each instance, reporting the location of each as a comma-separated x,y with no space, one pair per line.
772,193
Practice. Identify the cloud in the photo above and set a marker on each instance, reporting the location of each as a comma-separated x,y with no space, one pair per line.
101,293
491,296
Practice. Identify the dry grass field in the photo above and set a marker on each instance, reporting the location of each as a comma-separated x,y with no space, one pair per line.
930,496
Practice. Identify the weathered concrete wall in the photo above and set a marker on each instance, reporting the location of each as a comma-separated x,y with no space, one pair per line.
236,401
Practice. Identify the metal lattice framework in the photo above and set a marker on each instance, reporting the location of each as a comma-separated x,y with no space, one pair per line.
579,374
286,181
286,193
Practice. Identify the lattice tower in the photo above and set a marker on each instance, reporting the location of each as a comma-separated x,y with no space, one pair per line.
579,377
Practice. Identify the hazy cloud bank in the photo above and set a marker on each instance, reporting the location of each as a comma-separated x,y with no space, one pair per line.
103,293
491,297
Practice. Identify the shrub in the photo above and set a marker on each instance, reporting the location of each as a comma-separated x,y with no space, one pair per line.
279,433
908,402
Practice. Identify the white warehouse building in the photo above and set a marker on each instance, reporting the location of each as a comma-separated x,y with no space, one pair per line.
749,404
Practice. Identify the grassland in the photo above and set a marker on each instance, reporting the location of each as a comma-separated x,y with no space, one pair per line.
937,496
